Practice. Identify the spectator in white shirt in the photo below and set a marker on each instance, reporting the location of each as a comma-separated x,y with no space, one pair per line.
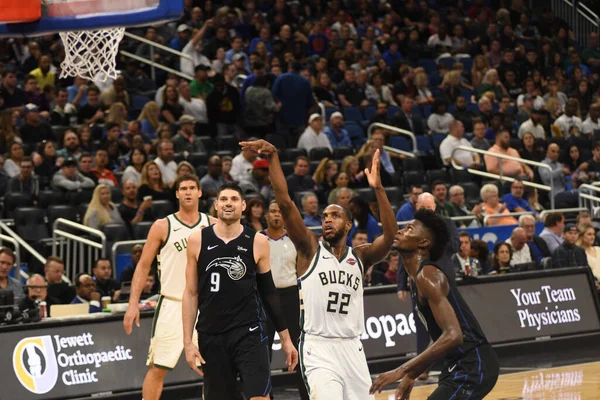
518,242
192,106
440,119
453,140
167,166
533,125
592,123
313,135
569,123
241,165
193,49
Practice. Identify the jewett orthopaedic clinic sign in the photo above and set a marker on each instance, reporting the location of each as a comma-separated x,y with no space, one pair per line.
78,360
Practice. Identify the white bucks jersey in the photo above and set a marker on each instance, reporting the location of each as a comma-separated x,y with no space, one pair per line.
172,256
331,295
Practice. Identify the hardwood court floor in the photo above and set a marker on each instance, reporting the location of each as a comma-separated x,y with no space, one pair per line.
573,382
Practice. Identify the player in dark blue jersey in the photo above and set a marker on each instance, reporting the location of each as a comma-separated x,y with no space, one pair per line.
470,364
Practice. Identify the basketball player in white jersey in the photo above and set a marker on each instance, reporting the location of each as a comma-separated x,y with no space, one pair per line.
167,240
330,276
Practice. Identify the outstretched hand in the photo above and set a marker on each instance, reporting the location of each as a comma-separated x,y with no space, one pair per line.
373,176
259,146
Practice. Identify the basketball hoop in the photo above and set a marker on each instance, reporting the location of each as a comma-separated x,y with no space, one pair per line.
91,54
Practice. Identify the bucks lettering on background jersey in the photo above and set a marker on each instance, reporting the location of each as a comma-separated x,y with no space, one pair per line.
172,256
331,295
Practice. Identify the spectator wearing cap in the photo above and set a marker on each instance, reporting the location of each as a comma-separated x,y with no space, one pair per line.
201,86
258,182
569,123
314,136
26,181
214,179
182,38
224,108
525,109
259,108
568,254
337,135
237,50
538,101
13,98
192,106
185,140
454,140
295,94
35,129
68,178
533,125
194,49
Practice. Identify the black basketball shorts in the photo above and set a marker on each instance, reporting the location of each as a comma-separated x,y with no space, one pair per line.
242,351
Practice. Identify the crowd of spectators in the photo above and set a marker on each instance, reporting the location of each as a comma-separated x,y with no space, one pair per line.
493,75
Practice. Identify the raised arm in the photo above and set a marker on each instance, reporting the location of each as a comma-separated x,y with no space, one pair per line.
190,302
304,240
158,231
434,287
381,246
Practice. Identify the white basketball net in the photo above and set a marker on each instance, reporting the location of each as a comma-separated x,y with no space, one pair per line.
91,54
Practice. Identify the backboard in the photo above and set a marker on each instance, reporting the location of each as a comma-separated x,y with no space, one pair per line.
80,15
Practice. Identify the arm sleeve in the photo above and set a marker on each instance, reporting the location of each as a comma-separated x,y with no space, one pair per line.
270,299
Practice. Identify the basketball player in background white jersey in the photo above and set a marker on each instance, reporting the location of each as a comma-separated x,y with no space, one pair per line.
167,240
283,268
330,276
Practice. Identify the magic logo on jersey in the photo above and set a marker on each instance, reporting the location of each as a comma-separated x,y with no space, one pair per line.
236,269
34,363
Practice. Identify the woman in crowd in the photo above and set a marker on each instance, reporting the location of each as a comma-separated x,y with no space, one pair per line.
480,67
501,258
152,184
137,160
48,163
8,130
424,96
379,91
323,90
587,237
86,141
148,119
171,110
117,113
450,87
324,177
530,151
351,166
492,206
185,168
491,83
341,181
12,163
532,196
254,215
101,210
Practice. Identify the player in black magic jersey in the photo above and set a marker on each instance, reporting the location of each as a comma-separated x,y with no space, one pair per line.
470,364
228,279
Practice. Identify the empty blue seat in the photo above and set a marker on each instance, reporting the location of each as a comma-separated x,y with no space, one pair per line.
329,111
352,114
370,112
428,64
424,145
473,108
449,61
392,110
401,143
138,101
466,93
355,131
